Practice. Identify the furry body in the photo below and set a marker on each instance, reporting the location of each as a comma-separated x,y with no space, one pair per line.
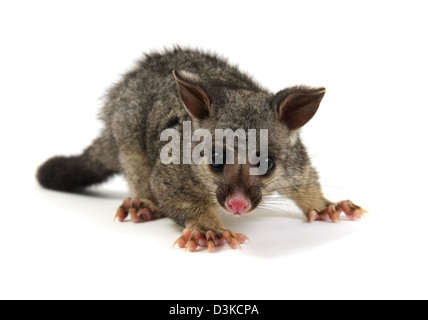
211,94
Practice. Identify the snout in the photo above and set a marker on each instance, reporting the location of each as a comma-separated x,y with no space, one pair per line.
238,203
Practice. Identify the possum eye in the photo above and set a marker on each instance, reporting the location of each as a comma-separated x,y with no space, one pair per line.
270,164
217,161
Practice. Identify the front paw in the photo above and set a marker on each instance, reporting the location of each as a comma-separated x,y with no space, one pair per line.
333,211
191,239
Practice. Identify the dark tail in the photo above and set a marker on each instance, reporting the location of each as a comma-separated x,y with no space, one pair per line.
77,172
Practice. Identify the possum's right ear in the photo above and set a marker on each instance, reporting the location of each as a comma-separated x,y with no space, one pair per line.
194,97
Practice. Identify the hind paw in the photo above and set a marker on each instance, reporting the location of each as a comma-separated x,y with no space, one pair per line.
138,210
333,211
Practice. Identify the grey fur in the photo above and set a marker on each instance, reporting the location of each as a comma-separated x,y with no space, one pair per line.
146,101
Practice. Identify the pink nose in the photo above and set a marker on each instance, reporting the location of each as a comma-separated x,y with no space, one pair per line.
238,206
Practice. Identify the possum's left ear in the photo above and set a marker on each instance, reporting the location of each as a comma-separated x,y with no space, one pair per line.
194,97
296,106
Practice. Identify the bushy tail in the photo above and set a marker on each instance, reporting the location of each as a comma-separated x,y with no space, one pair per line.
76,172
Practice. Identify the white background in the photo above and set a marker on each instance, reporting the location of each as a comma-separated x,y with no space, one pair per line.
368,141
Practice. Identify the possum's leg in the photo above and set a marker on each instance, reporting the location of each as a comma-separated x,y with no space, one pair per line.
143,206
191,207
316,207
306,192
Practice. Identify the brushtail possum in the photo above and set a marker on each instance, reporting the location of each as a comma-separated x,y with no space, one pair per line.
181,86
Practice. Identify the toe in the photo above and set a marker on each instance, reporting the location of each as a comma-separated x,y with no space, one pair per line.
191,246
144,214
333,214
135,218
211,239
352,211
241,238
183,239
121,214
312,215
230,239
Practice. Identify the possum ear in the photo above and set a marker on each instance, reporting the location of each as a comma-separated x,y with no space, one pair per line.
194,97
299,106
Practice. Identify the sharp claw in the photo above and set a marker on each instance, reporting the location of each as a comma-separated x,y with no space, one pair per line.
237,242
120,211
363,212
241,238
211,246
246,238
175,242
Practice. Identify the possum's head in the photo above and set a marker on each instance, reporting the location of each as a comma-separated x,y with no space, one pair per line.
267,125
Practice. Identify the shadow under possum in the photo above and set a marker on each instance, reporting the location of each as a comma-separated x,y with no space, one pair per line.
276,229
280,228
